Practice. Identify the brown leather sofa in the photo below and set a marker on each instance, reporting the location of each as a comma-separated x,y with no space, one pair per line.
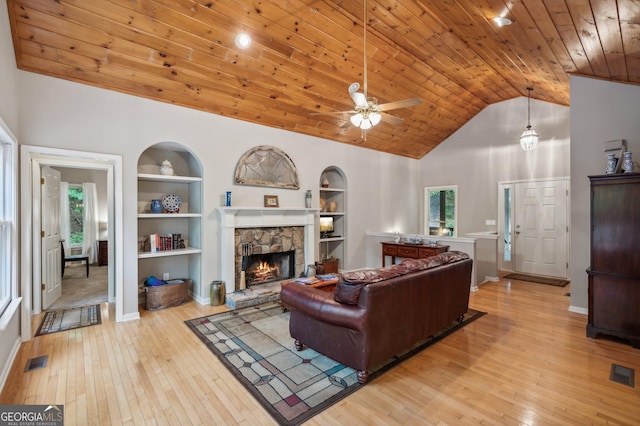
377,314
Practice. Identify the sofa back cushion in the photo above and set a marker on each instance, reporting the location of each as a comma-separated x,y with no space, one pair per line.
349,288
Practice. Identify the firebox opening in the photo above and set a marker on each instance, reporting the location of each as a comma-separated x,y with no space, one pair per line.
267,267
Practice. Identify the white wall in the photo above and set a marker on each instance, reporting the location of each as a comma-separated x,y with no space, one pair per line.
8,74
486,150
90,119
9,327
600,111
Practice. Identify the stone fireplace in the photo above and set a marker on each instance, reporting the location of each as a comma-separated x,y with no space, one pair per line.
268,254
264,231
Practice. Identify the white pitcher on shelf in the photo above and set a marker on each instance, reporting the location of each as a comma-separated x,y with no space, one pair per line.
166,168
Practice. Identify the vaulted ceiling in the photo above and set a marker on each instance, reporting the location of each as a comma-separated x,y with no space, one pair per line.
305,54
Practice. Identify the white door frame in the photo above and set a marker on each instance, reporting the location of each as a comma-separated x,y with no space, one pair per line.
32,158
509,266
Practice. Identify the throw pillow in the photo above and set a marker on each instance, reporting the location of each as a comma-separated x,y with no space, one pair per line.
348,293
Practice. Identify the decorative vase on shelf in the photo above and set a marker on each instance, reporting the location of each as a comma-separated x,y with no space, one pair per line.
333,206
612,162
307,199
627,162
324,183
156,206
166,168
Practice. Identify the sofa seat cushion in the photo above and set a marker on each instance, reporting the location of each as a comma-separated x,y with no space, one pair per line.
349,288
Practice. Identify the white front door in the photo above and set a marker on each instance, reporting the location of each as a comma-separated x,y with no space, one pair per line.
51,251
540,228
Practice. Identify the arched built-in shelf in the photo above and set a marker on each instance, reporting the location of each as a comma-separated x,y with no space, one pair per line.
333,206
186,182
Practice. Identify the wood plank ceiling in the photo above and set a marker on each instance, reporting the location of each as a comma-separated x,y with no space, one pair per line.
305,53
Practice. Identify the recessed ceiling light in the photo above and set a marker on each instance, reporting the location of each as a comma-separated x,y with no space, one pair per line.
243,40
502,21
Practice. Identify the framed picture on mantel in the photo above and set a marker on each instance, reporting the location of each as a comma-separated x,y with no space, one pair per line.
271,201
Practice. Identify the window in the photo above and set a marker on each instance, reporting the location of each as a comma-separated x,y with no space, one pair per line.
440,206
8,239
76,215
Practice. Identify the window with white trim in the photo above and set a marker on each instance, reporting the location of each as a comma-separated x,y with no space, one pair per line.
441,210
8,242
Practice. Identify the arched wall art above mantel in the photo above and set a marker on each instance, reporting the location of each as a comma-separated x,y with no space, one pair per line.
269,166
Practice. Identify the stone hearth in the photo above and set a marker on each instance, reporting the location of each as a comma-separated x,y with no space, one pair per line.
253,296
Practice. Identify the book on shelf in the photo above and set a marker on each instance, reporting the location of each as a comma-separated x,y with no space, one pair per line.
164,242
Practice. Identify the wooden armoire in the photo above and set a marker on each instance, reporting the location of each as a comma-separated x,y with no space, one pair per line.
614,273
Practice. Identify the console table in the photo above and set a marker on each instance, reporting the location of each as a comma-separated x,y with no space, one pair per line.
412,251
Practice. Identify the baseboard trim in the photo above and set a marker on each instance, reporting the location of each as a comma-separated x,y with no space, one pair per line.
578,310
7,367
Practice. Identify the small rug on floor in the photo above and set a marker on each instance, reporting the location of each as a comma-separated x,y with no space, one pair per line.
559,282
68,319
255,345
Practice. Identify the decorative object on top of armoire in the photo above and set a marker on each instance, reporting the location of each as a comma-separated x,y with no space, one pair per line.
627,162
614,273
614,150
612,162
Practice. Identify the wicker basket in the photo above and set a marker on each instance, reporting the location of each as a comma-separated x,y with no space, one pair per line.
168,295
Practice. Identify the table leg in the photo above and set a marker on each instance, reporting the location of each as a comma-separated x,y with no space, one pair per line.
87,263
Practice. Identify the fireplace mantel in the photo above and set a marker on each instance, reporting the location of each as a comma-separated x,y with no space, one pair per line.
232,218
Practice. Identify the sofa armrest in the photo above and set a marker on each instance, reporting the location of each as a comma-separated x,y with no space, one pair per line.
320,305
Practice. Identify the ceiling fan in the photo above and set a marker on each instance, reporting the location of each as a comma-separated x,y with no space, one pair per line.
367,112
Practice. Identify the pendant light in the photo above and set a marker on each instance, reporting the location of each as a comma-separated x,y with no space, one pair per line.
529,138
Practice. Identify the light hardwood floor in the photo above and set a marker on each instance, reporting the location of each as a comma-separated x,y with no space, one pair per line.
527,361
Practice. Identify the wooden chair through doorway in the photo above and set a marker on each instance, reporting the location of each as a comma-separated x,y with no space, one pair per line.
74,258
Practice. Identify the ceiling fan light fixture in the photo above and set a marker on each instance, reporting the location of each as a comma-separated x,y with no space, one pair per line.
529,138
375,118
356,119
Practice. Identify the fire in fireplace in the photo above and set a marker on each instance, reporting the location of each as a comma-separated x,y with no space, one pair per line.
266,267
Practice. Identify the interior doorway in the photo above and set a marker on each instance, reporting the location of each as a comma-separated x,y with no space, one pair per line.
32,161
83,222
533,226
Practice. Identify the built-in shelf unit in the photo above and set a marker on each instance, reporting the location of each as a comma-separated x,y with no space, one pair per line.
333,204
186,183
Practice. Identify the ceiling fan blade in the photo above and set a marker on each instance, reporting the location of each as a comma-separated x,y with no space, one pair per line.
400,104
359,98
391,119
334,112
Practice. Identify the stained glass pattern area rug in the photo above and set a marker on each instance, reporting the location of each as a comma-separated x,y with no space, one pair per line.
293,386
68,319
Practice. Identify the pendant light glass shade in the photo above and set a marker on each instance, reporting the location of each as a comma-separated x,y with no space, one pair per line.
529,138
